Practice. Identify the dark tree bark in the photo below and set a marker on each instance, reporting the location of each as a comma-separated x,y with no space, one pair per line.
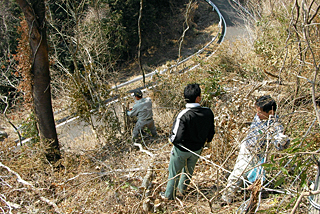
34,12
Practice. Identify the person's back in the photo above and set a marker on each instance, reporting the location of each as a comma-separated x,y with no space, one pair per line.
191,129
143,110
198,126
144,106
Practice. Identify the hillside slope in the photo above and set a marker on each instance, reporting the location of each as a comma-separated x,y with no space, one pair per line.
105,173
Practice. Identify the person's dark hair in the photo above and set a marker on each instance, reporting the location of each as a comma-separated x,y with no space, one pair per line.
191,92
137,93
266,103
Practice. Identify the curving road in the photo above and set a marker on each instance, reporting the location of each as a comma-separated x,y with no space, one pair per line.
235,27
234,20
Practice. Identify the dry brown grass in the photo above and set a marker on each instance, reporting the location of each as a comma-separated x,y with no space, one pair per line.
104,175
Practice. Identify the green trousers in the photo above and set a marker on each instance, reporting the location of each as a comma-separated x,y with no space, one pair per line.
181,168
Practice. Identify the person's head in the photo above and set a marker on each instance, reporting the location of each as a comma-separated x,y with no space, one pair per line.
192,93
265,106
138,94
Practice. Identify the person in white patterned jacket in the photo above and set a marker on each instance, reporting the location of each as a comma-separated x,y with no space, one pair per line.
265,129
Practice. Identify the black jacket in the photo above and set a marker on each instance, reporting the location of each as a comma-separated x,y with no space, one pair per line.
193,127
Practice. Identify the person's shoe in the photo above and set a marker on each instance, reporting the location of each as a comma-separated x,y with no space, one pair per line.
162,195
187,191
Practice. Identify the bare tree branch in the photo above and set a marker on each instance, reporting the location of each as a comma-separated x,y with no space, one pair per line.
26,183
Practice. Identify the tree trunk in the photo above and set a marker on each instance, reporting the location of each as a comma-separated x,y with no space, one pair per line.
35,16
139,51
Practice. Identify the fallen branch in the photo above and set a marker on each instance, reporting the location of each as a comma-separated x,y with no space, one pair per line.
253,203
147,178
20,180
9,204
143,150
145,186
303,194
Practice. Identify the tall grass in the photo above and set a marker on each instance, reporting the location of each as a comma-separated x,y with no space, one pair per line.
103,175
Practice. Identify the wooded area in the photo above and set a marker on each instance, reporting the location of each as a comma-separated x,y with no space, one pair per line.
68,56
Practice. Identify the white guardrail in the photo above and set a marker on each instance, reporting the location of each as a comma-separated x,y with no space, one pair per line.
222,27
220,36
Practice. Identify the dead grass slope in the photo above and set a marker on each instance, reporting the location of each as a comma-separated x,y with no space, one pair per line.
108,175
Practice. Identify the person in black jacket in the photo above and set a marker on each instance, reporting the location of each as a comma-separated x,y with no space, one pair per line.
192,128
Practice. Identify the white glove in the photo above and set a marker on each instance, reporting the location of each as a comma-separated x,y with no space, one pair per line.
283,141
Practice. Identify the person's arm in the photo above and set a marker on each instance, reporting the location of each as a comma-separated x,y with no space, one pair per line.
133,111
178,130
280,140
255,137
211,131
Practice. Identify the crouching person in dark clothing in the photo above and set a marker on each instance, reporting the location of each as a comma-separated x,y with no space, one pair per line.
192,128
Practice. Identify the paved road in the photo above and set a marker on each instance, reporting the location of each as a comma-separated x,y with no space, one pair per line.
235,22
73,129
